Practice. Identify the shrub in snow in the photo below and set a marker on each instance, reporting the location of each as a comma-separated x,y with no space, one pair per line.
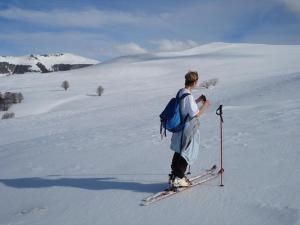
17,97
208,83
65,85
8,99
8,96
100,90
14,98
20,96
8,116
1,102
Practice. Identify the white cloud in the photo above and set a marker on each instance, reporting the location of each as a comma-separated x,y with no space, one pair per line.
235,20
91,45
130,49
293,5
174,45
202,21
84,18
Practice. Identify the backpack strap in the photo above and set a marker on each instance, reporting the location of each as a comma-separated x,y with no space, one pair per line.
185,119
163,130
180,99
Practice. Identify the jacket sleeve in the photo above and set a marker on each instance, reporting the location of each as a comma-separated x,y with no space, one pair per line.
191,105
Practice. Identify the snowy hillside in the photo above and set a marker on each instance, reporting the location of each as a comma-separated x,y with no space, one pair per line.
70,157
41,63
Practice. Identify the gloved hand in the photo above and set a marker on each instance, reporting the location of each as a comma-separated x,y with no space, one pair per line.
202,98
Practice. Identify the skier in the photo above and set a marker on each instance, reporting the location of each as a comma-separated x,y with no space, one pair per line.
186,142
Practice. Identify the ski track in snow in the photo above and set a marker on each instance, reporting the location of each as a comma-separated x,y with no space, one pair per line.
70,158
58,103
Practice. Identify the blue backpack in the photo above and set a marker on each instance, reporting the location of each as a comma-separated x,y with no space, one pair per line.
170,118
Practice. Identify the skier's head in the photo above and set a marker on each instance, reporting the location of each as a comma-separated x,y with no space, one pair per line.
191,79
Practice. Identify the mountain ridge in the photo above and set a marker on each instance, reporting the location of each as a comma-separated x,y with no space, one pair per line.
43,63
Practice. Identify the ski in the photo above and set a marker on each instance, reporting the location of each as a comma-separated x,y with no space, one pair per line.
170,192
206,173
196,180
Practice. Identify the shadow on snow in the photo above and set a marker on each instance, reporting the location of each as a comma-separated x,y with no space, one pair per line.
107,183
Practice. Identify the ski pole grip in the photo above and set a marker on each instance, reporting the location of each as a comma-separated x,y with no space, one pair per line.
219,112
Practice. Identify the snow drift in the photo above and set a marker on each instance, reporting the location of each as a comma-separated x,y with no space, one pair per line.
71,158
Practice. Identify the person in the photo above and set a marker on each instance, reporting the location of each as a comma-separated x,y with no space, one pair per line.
186,142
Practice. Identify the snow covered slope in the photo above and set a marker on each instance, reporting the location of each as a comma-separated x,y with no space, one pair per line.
70,157
42,63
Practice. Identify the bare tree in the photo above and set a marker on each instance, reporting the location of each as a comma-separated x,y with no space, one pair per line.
8,115
65,85
100,90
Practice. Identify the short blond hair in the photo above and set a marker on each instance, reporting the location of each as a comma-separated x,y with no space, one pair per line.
191,77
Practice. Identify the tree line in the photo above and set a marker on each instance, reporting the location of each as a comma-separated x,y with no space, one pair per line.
7,99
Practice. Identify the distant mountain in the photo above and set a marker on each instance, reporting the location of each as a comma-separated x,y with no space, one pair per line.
43,63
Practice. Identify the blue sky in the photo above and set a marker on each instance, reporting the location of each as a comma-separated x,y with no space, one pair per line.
105,29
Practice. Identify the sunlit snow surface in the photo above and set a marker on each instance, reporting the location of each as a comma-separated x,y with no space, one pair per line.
73,158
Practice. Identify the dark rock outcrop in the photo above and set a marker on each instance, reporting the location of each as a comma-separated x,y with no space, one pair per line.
64,67
20,69
42,67
6,68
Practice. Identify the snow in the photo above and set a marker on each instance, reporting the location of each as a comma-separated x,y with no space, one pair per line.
47,60
70,157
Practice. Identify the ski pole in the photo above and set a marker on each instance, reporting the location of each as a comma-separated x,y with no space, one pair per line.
219,112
